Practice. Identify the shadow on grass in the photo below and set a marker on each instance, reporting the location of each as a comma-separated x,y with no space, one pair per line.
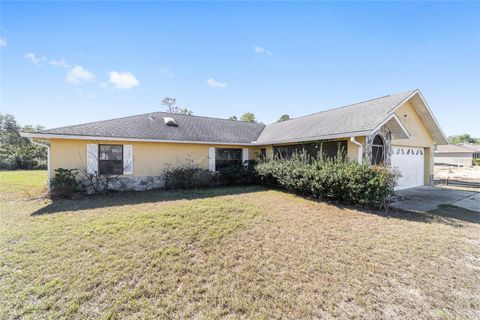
133,198
446,214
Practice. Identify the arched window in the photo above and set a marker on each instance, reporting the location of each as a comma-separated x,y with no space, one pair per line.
378,150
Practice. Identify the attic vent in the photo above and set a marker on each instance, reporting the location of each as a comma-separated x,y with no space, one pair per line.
152,117
170,122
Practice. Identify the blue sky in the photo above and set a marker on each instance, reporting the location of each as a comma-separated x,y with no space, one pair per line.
67,63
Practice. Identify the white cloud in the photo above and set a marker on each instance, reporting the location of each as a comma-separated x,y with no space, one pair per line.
33,58
215,84
36,60
59,63
79,74
3,42
123,80
262,51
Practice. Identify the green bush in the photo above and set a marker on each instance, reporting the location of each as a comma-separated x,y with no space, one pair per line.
64,184
191,176
237,175
476,162
334,179
188,177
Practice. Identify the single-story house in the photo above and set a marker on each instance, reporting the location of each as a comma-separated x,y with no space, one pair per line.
397,130
452,154
474,147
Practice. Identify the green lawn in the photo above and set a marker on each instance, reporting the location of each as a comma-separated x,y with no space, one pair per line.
240,252
23,183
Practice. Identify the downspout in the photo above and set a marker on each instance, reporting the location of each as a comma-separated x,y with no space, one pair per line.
360,149
48,158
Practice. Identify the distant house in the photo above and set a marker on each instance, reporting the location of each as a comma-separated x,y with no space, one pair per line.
396,130
474,147
452,154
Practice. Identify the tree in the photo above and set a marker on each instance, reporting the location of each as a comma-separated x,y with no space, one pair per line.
248,117
233,118
185,111
172,108
17,152
170,103
463,138
284,117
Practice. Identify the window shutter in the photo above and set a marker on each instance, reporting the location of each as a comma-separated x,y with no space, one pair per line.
92,158
245,156
211,159
128,159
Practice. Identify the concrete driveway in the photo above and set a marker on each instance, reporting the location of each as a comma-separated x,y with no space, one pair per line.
423,199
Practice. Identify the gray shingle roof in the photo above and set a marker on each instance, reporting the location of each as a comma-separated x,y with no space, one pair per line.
449,148
355,118
152,126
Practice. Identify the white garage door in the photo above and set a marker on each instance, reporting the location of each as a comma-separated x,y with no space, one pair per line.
409,162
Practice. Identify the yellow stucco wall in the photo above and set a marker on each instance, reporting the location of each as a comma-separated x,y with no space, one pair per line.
420,136
149,158
352,149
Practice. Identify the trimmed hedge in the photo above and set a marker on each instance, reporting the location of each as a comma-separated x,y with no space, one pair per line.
333,179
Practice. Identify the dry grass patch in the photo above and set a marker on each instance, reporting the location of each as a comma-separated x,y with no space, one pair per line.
233,253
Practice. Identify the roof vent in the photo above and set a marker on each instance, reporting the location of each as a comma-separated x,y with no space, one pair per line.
152,118
170,122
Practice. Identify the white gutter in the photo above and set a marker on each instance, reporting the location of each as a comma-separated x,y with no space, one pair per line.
360,149
48,158
316,138
98,138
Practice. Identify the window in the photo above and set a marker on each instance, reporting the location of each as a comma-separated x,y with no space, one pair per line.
227,158
378,150
110,159
330,149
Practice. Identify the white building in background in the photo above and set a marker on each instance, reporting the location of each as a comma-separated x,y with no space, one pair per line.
452,154
474,147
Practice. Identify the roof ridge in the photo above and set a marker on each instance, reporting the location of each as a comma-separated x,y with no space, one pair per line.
147,114
192,115
346,106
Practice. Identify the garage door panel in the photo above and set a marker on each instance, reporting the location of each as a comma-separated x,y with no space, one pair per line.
409,161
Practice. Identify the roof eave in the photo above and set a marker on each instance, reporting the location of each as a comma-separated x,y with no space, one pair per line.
99,138
315,138
399,131
440,139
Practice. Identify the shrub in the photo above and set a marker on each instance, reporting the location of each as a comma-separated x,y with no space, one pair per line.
334,179
188,177
476,162
191,176
237,175
64,184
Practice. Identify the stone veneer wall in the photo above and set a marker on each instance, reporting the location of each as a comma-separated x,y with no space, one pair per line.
385,133
130,183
